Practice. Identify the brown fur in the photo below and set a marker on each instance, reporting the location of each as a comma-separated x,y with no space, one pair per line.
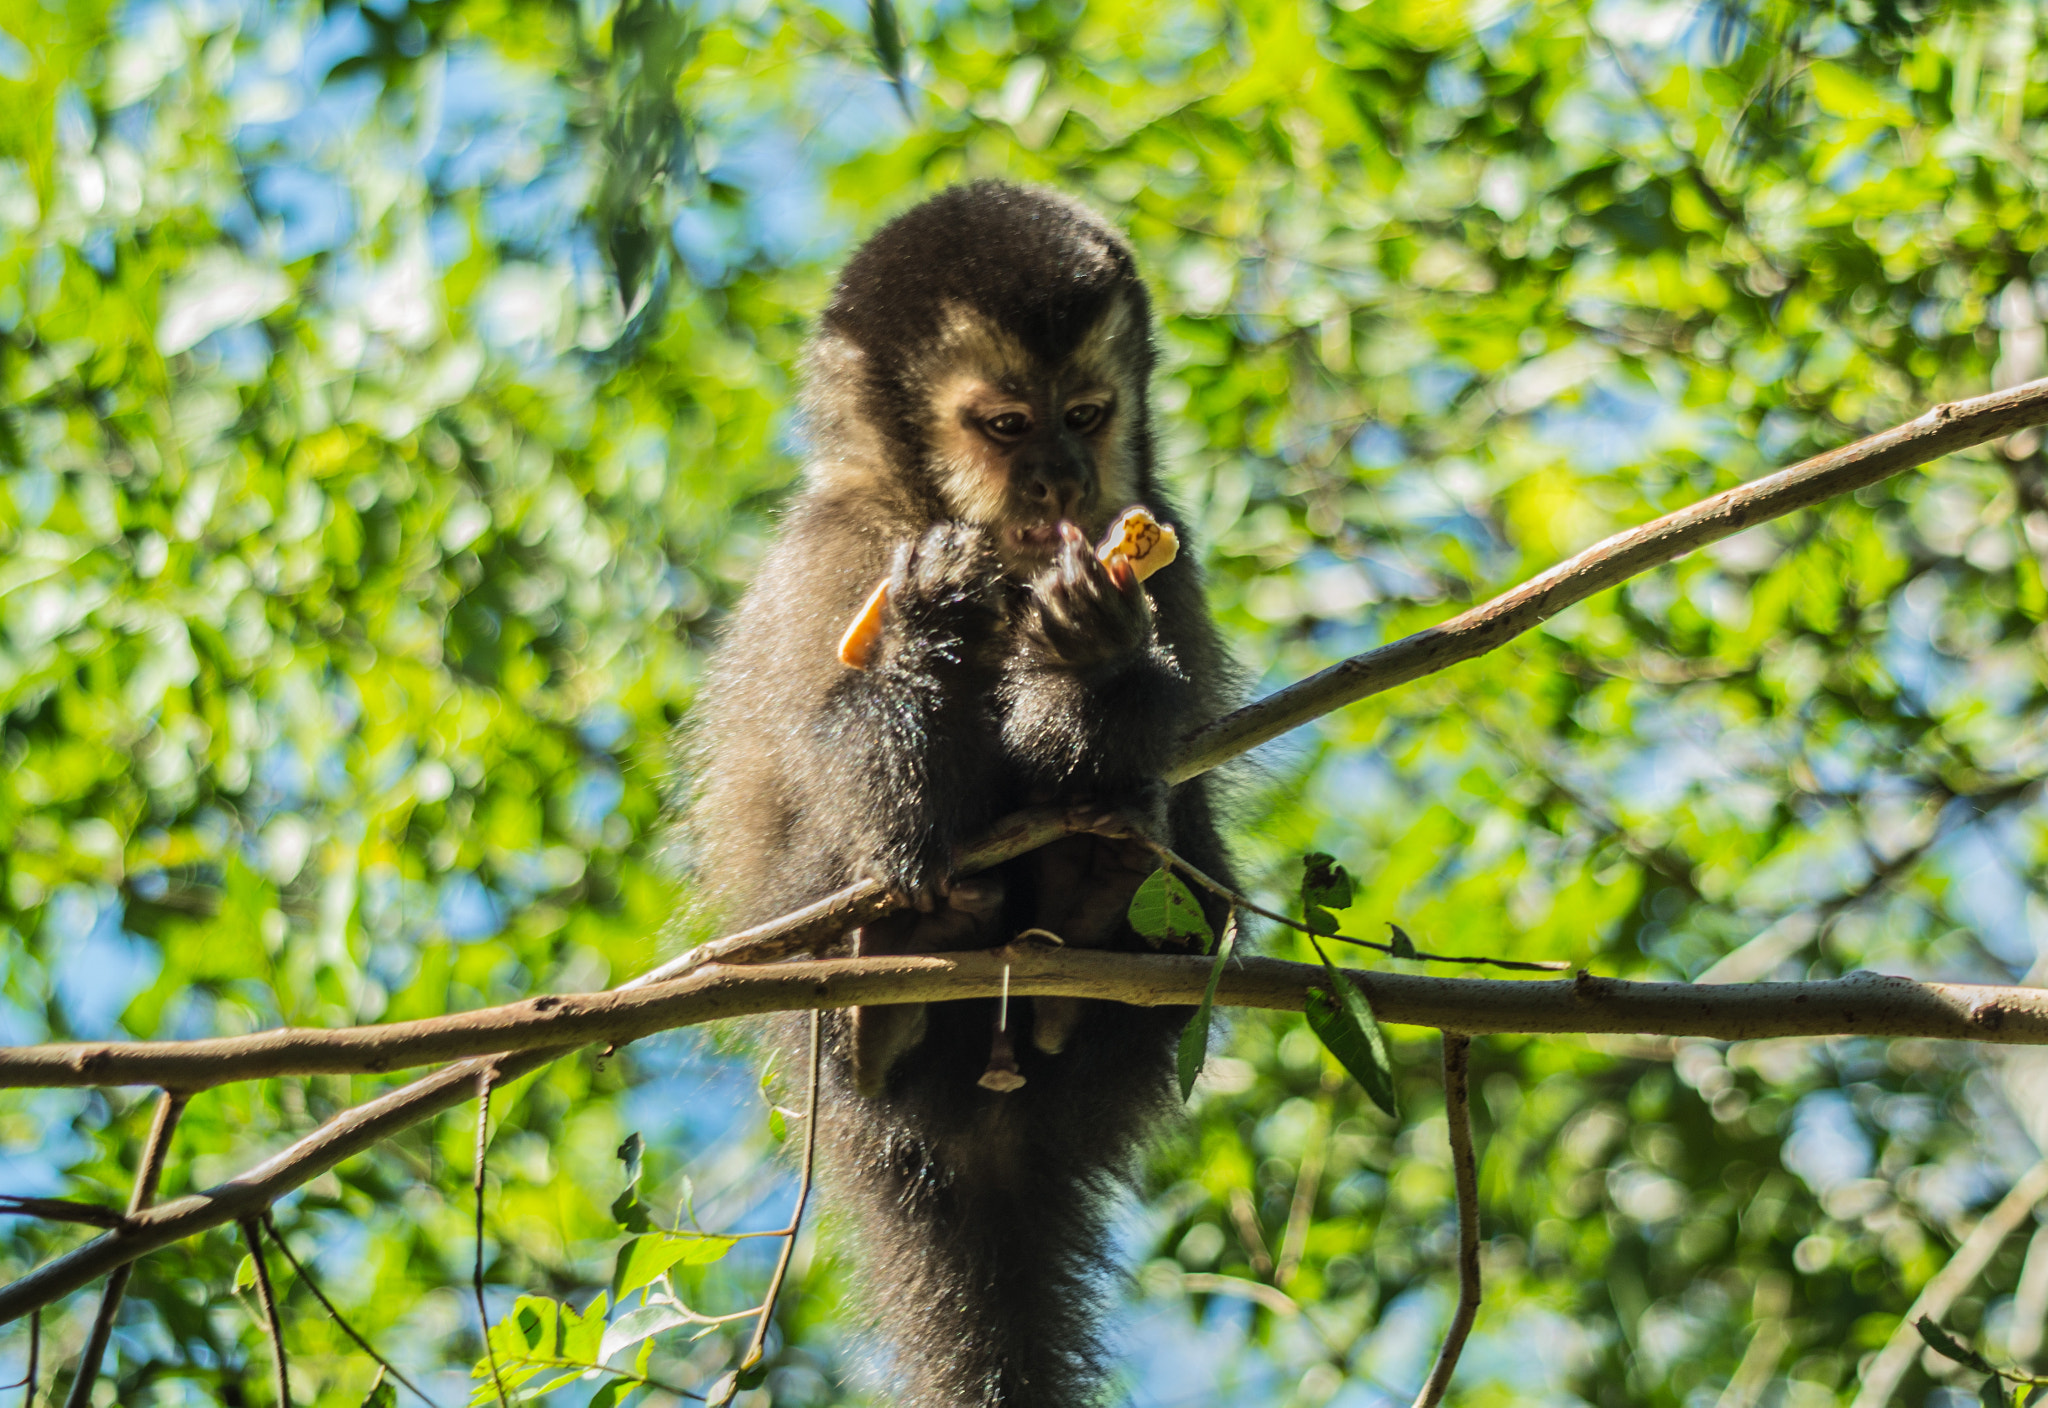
1012,668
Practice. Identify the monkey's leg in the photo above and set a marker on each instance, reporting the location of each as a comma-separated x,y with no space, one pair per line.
1053,1020
882,1035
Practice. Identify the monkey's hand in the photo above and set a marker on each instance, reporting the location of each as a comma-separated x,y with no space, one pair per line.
1085,612
946,598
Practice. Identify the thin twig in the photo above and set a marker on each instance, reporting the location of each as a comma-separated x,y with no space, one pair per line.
305,1276
1881,1379
796,1218
267,1298
1216,887
1465,1174
63,1209
169,1106
483,1143
35,1349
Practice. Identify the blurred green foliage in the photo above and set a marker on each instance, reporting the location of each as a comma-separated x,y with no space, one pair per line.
393,398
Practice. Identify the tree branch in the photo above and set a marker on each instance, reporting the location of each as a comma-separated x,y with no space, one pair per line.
1862,1003
1465,1174
1947,428
170,1104
483,1148
267,1297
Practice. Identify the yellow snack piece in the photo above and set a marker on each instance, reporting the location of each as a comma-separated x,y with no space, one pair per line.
1142,540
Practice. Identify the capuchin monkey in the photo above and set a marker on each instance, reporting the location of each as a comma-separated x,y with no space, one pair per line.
977,413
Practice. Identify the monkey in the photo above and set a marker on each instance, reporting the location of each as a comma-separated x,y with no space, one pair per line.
976,402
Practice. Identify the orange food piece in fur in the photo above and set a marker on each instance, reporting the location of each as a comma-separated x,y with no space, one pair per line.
857,646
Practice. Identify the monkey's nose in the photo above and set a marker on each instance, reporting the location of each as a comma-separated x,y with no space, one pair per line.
1060,496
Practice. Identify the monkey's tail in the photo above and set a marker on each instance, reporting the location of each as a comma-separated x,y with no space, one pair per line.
981,1218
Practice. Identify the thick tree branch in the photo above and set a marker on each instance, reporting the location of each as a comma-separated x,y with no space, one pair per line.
1865,1004
1943,430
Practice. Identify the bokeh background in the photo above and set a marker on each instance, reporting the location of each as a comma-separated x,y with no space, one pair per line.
395,396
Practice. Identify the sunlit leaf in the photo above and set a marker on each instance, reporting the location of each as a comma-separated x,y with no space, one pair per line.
645,1259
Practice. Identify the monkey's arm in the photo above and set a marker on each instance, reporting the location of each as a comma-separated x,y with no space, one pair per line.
899,760
1092,699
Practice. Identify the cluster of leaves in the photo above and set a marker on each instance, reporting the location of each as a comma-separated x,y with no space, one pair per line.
394,396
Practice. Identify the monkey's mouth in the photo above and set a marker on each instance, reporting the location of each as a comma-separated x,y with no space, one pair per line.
1036,541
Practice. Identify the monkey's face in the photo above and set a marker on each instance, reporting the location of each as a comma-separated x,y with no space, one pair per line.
1018,445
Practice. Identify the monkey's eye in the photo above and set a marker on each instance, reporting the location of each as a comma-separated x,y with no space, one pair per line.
1083,418
1010,425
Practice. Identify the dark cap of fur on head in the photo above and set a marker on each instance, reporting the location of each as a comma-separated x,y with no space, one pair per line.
1032,262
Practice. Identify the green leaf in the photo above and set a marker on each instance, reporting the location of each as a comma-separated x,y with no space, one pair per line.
1992,1393
627,1210
1325,886
645,1259
608,1396
1402,945
1343,1018
245,1273
1948,1347
582,1334
641,1323
629,1213
629,1151
752,1376
1164,911
885,32
778,1123
382,1393
1194,1038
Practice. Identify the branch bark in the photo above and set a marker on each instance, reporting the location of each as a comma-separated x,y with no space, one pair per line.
1866,1004
170,1104
1947,428
1465,1175
1863,1004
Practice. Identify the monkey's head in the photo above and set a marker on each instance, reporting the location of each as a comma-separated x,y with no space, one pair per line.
990,352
